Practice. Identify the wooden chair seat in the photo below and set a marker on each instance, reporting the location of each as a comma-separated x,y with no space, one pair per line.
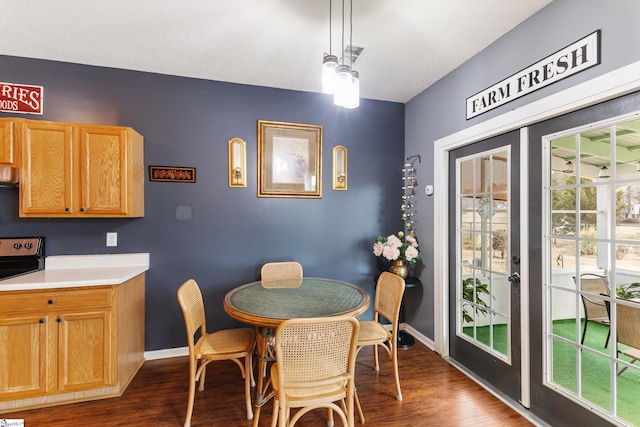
372,333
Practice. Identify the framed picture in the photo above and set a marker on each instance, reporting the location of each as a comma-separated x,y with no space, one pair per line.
289,160
172,174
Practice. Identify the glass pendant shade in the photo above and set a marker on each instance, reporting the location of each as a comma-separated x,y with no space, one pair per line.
329,65
604,172
568,167
353,99
343,85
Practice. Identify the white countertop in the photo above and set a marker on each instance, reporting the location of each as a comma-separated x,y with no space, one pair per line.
67,271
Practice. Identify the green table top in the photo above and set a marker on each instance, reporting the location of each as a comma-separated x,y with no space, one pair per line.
267,305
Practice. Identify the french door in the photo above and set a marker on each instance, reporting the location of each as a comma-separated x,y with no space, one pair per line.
484,267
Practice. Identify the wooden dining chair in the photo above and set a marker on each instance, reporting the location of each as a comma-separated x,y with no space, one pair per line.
595,309
628,332
314,368
227,344
389,291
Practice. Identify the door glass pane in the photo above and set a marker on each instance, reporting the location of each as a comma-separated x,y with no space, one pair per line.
483,251
592,261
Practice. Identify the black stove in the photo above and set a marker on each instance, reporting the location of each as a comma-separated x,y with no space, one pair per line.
20,255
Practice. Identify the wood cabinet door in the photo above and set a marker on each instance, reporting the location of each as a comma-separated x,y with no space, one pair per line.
47,178
85,356
8,147
104,170
23,356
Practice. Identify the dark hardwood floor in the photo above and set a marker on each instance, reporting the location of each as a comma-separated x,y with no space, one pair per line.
434,394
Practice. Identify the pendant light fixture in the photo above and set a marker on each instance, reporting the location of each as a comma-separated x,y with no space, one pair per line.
339,79
353,92
329,64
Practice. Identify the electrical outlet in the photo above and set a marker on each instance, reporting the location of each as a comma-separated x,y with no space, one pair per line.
112,239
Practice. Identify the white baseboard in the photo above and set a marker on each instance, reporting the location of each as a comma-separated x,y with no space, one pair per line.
166,353
428,342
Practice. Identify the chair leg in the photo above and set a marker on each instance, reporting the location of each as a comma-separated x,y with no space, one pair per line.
248,379
375,357
192,394
606,343
203,375
358,407
274,417
330,421
584,331
395,371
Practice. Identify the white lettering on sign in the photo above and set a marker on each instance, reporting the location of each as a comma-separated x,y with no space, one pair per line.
19,98
579,56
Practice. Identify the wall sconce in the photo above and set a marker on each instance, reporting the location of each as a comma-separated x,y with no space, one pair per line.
339,168
237,163
568,167
604,173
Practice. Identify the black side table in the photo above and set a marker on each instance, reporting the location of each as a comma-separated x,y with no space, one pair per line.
405,339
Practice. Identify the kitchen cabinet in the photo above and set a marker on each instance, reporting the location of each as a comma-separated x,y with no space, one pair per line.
75,170
69,345
8,148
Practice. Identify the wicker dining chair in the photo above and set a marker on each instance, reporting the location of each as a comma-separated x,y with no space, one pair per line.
226,344
628,330
595,309
314,368
388,299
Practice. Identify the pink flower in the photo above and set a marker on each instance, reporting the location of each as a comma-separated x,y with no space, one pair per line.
391,253
394,241
377,248
411,253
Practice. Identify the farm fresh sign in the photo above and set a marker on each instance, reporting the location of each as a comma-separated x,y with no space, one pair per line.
19,98
579,56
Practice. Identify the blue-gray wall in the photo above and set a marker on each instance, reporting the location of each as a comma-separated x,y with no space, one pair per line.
188,122
440,110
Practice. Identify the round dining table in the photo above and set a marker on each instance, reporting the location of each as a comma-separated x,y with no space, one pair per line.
267,304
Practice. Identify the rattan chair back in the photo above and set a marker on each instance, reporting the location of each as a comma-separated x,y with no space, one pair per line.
281,274
389,291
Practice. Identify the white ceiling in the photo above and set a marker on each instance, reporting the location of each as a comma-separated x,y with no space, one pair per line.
410,44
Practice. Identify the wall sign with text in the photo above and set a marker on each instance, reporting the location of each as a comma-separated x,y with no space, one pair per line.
19,98
583,54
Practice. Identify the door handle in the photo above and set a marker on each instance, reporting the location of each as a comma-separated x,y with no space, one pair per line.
514,278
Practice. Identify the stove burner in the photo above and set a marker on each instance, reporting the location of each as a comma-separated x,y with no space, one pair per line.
21,255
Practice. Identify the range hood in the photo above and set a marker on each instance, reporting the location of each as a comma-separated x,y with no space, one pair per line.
9,176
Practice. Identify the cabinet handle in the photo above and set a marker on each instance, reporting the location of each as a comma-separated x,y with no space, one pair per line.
41,320
67,209
59,319
50,301
81,209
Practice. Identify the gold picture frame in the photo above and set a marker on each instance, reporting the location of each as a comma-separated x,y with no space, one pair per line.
289,160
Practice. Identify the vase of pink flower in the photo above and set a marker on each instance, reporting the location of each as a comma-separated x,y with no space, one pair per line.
402,250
